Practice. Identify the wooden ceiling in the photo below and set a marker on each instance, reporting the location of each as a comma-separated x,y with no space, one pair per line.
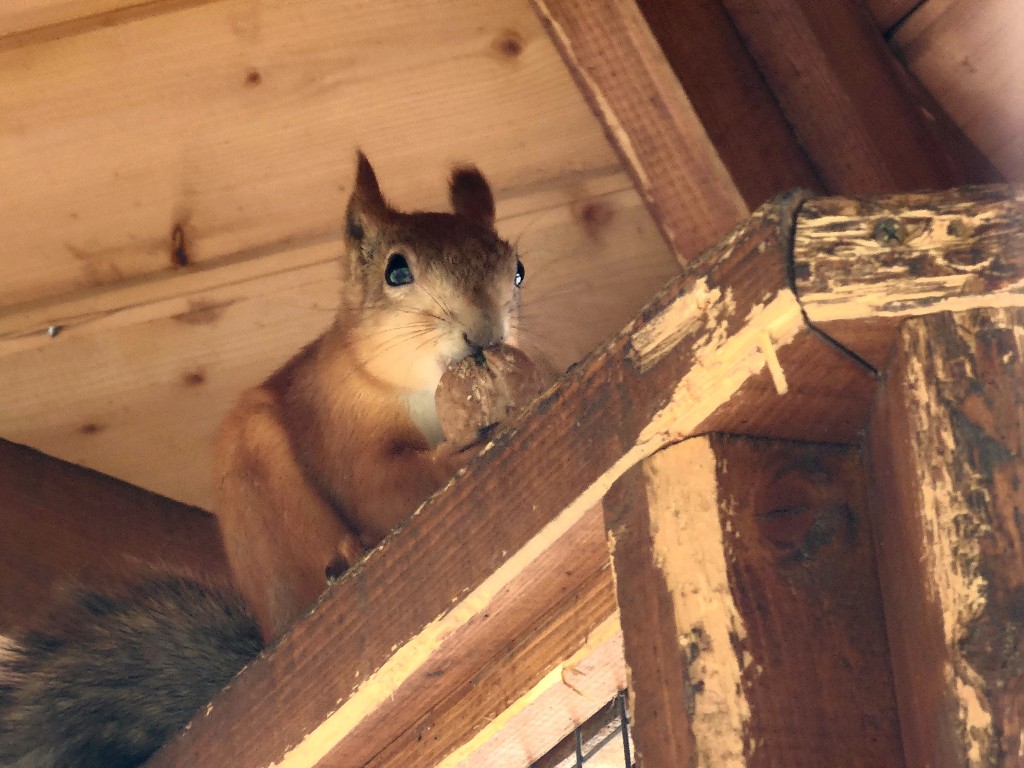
174,173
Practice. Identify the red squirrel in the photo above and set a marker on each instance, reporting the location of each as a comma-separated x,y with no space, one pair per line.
324,458
314,466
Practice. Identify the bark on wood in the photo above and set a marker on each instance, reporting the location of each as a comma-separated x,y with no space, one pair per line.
947,451
844,94
618,65
63,525
752,620
862,264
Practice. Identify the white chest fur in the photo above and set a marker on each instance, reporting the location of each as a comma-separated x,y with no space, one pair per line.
423,413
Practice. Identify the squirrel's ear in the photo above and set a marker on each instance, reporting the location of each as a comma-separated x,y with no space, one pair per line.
366,205
471,196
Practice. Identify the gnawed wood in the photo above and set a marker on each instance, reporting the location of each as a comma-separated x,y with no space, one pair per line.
862,264
947,449
734,562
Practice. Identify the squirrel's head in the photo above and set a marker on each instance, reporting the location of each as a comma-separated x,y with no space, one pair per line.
423,290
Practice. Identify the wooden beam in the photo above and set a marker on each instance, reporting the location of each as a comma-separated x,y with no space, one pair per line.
729,95
947,452
64,525
734,560
444,587
848,101
862,265
550,677
620,68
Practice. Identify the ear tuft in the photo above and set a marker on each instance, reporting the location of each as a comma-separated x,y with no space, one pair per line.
471,196
366,203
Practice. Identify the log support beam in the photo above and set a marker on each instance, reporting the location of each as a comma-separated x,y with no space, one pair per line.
947,455
751,614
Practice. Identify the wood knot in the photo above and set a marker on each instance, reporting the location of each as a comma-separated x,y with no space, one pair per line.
509,44
889,231
595,217
957,228
797,519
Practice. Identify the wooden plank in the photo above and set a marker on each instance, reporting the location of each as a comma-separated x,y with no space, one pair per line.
947,450
618,65
351,680
65,525
564,698
33,20
601,737
729,96
661,688
968,56
861,265
734,560
551,676
844,94
141,373
237,123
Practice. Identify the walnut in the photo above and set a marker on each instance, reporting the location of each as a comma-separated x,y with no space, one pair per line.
479,392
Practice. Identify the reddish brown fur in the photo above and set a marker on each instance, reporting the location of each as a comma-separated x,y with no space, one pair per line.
326,457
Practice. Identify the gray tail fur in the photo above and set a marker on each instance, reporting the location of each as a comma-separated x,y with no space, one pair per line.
119,673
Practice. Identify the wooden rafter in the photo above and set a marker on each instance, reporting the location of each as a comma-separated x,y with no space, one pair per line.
724,345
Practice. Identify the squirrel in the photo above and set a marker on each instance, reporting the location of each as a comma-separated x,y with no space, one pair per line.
313,467
330,453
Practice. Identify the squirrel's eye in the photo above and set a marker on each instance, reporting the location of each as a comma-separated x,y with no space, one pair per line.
397,271
520,272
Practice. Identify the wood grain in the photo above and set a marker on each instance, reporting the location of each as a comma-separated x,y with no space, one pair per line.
619,66
946,451
844,94
734,560
154,364
65,526
351,680
968,56
860,264
729,95
798,544
28,22
237,122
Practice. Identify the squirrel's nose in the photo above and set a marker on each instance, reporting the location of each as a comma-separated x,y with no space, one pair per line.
480,340
485,332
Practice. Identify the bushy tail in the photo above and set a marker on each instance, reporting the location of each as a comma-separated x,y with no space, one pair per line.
119,673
